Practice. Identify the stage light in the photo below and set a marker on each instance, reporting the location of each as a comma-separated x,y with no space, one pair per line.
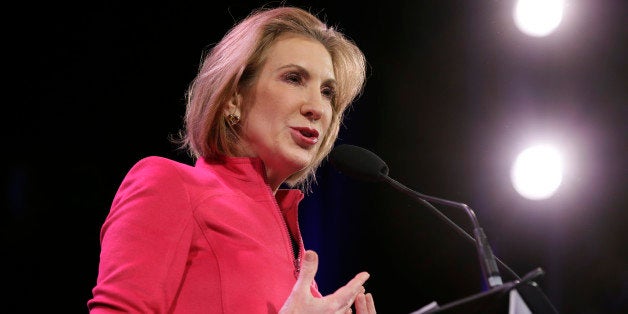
537,172
538,18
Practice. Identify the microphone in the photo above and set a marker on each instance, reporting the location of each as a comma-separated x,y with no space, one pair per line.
363,164
358,162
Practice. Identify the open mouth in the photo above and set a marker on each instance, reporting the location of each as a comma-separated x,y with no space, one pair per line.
306,136
309,133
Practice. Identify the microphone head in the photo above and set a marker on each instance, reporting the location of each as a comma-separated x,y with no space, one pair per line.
358,162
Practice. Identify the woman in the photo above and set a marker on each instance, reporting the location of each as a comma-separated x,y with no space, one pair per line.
222,236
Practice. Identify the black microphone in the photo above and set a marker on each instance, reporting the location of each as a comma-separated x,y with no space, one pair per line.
358,162
365,165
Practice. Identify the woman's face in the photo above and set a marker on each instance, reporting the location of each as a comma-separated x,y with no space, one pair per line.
287,111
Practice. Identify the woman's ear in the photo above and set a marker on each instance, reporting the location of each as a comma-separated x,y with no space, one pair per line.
233,105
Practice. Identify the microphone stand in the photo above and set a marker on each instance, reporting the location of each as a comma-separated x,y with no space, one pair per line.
529,289
365,165
488,261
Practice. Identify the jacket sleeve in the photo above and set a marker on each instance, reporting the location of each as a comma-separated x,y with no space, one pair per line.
145,241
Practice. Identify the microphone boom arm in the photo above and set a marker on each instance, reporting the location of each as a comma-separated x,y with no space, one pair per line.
365,165
488,261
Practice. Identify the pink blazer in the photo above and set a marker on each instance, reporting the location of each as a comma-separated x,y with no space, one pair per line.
205,239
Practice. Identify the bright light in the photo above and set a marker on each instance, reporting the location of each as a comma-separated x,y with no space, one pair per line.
538,17
537,172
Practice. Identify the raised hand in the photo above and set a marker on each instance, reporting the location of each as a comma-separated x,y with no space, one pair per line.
302,301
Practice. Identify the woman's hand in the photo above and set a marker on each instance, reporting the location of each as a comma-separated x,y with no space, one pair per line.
302,301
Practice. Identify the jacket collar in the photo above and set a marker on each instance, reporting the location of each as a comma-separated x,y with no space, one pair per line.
251,169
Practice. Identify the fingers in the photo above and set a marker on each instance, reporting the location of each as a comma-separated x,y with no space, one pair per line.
308,271
370,304
364,304
360,304
358,280
346,295
300,299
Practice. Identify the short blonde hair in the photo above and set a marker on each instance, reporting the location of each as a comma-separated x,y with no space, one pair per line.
234,62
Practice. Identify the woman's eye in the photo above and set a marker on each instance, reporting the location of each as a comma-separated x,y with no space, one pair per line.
328,92
293,78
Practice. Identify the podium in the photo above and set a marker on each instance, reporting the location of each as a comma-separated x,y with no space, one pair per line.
514,297
494,300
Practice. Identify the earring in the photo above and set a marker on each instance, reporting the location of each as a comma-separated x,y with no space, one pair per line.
233,119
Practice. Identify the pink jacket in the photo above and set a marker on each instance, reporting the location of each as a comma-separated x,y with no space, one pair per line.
205,239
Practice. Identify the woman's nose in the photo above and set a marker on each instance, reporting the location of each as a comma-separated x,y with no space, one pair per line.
312,113
313,107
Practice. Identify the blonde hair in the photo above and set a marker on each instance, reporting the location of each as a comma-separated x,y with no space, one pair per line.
234,62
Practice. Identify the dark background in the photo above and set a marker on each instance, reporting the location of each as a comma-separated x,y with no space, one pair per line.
454,92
